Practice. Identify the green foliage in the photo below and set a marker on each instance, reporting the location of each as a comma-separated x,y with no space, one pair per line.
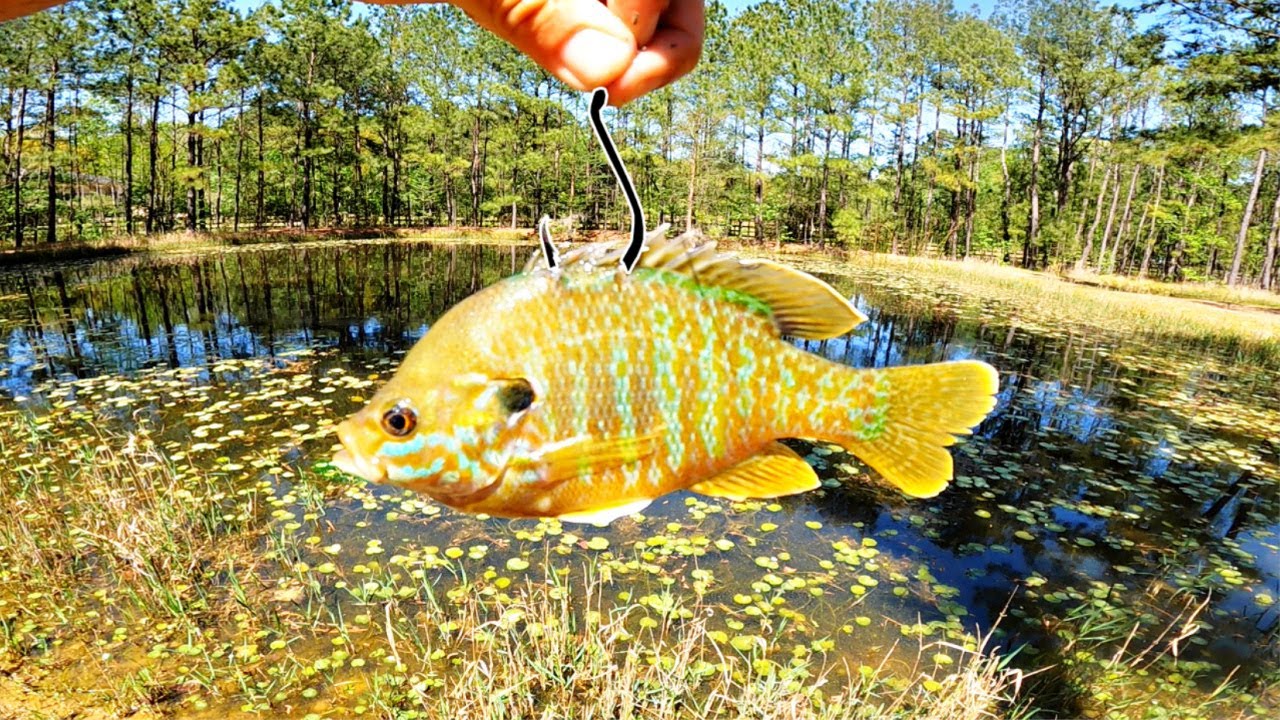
902,125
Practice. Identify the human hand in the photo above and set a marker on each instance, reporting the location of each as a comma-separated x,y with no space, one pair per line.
629,47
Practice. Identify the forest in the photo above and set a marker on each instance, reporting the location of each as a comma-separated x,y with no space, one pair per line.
1133,139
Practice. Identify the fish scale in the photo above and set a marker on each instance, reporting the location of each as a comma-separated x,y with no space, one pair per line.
675,376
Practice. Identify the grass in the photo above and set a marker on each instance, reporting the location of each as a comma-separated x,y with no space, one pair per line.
115,558
184,241
39,254
1248,297
1045,300
168,590
543,654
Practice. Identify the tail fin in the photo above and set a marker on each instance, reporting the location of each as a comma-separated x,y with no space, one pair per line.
917,411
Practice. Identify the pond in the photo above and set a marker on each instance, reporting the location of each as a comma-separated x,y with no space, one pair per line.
1120,483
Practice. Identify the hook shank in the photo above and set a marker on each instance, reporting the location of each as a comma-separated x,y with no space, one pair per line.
599,97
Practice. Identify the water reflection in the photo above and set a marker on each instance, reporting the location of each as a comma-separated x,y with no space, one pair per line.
1092,470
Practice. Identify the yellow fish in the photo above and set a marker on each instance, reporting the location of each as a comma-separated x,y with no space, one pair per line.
584,393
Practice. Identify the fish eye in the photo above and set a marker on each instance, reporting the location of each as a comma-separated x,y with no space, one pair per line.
399,420
516,395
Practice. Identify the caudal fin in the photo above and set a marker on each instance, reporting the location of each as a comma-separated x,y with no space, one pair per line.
916,413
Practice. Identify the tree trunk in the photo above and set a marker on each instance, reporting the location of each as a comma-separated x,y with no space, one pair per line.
1175,258
216,213
1083,262
1033,218
822,193
1268,263
1111,222
913,221
927,222
1155,225
77,176
128,153
1064,161
1236,259
1125,217
308,169
171,210
153,163
6,153
335,189
971,192
758,217
899,166
235,222
193,160
260,212
18,218
359,173
50,144
1007,198
693,176
476,179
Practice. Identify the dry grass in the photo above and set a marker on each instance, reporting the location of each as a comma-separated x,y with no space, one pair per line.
1208,292
115,512
68,252
99,518
546,654
1050,301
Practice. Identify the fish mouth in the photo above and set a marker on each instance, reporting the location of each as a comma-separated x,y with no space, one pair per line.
352,465
355,463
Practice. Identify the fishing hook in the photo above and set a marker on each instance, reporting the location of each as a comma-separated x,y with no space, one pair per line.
548,248
599,97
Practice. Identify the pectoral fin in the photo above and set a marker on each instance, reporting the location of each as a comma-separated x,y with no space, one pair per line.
586,454
774,472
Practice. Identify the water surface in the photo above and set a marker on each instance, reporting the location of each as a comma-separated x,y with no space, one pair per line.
1114,473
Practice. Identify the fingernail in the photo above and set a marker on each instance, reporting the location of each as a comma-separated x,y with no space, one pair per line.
596,58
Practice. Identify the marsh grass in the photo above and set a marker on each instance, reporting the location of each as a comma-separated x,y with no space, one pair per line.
69,251
111,539
1050,302
546,651
119,539
1207,292
1114,662
114,512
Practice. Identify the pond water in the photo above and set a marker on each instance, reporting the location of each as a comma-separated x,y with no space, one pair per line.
1117,478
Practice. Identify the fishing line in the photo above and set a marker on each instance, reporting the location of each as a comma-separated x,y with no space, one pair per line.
599,97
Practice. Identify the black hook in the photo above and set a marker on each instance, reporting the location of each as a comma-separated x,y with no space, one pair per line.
599,97
548,248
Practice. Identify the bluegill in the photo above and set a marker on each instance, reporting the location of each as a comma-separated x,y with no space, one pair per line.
584,392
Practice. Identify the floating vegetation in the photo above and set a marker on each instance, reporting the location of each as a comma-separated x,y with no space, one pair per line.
176,540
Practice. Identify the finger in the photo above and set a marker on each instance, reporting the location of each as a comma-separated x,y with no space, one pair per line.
641,16
17,8
578,41
673,52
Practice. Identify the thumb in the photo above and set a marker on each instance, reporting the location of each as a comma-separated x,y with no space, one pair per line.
579,41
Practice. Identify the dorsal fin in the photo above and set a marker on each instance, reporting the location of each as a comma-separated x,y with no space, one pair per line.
802,305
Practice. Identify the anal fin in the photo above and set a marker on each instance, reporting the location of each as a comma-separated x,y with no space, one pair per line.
774,472
603,516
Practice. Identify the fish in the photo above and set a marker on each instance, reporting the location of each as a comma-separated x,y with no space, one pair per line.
583,392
